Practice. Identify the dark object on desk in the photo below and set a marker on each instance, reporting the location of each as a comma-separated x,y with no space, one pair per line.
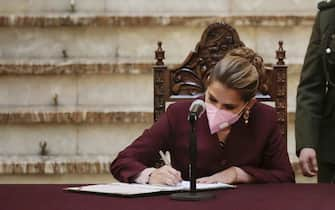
192,196
192,118
197,108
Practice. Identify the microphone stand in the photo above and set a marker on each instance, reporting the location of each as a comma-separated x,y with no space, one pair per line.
192,195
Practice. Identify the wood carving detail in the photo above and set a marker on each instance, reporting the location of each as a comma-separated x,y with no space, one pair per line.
190,77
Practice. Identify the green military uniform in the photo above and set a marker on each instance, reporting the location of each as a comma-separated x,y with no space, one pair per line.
315,112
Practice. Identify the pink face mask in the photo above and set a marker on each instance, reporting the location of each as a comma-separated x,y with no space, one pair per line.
219,119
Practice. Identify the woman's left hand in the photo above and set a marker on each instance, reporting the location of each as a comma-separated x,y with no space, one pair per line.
228,176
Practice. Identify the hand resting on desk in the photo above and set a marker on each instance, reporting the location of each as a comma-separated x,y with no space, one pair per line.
232,175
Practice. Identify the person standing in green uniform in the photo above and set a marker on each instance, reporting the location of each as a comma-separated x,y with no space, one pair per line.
315,111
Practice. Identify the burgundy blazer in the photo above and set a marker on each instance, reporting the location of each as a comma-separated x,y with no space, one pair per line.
256,147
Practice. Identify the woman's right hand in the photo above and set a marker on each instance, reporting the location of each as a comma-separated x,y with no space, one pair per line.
165,175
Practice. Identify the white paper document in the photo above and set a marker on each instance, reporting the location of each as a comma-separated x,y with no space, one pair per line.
125,189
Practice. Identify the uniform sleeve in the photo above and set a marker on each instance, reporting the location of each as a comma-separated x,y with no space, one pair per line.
310,94
143,152
275,166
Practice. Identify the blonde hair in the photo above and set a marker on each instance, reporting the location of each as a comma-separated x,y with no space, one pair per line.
241,69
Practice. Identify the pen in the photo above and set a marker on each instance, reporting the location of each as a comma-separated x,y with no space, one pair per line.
165,157
168,157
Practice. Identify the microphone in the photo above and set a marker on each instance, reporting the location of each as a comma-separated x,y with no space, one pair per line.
197,108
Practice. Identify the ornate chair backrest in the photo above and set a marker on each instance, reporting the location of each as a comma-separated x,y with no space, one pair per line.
188,79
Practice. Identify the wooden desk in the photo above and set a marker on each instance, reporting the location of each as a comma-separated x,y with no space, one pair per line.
248,197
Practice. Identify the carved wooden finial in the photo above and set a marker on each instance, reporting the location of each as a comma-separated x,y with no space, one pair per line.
159,54
280,54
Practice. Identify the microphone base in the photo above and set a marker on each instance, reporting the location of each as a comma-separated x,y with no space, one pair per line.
192,196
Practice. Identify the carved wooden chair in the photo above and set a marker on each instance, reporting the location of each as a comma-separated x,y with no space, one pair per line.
188,80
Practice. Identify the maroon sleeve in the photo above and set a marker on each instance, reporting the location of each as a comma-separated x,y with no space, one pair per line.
143,152
275,166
